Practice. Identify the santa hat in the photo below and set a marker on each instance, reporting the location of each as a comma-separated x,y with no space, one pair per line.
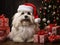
29,7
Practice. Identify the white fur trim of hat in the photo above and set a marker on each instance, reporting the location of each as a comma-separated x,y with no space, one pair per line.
25,8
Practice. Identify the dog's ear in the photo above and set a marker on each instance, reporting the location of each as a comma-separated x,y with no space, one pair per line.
15,22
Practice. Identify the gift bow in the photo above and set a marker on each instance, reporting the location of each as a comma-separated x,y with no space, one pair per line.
42,32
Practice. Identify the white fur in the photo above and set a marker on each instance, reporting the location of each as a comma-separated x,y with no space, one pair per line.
25,30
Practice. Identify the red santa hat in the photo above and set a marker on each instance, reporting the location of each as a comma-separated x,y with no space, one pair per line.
29,7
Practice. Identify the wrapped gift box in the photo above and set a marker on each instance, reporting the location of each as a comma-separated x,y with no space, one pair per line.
4,27
54,38
51,28
40,37
36,38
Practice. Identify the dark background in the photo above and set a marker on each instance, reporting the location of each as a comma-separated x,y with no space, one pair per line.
9,7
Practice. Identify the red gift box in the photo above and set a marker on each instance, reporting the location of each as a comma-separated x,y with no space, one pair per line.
51,28
40,37
4,27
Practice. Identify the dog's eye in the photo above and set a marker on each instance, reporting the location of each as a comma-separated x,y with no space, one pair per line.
29,13
22,13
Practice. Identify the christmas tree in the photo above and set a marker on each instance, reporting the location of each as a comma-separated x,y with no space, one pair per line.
49,12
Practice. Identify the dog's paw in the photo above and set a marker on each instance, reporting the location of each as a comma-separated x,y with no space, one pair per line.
18,40
30,40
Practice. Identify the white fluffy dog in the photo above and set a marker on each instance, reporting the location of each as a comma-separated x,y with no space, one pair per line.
23,26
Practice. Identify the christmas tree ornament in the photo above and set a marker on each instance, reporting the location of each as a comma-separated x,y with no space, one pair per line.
54,6
52,2
57,18
45,7
58,1
49,6
58,14
47,0
44,13
45,24
40,9
48,21
59,6
40,12
42,2
48,10
53,13
44,19
54,20
45,4
57,11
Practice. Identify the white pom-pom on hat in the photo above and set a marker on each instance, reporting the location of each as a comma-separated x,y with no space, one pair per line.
37,20
29,7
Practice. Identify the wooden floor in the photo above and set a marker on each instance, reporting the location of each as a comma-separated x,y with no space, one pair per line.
14,43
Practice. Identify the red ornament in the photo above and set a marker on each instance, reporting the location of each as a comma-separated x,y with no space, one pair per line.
45,8
57,11
44,13
54,20
47,0
40,9
58,1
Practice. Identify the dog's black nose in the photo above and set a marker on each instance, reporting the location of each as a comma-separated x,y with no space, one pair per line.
26,16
